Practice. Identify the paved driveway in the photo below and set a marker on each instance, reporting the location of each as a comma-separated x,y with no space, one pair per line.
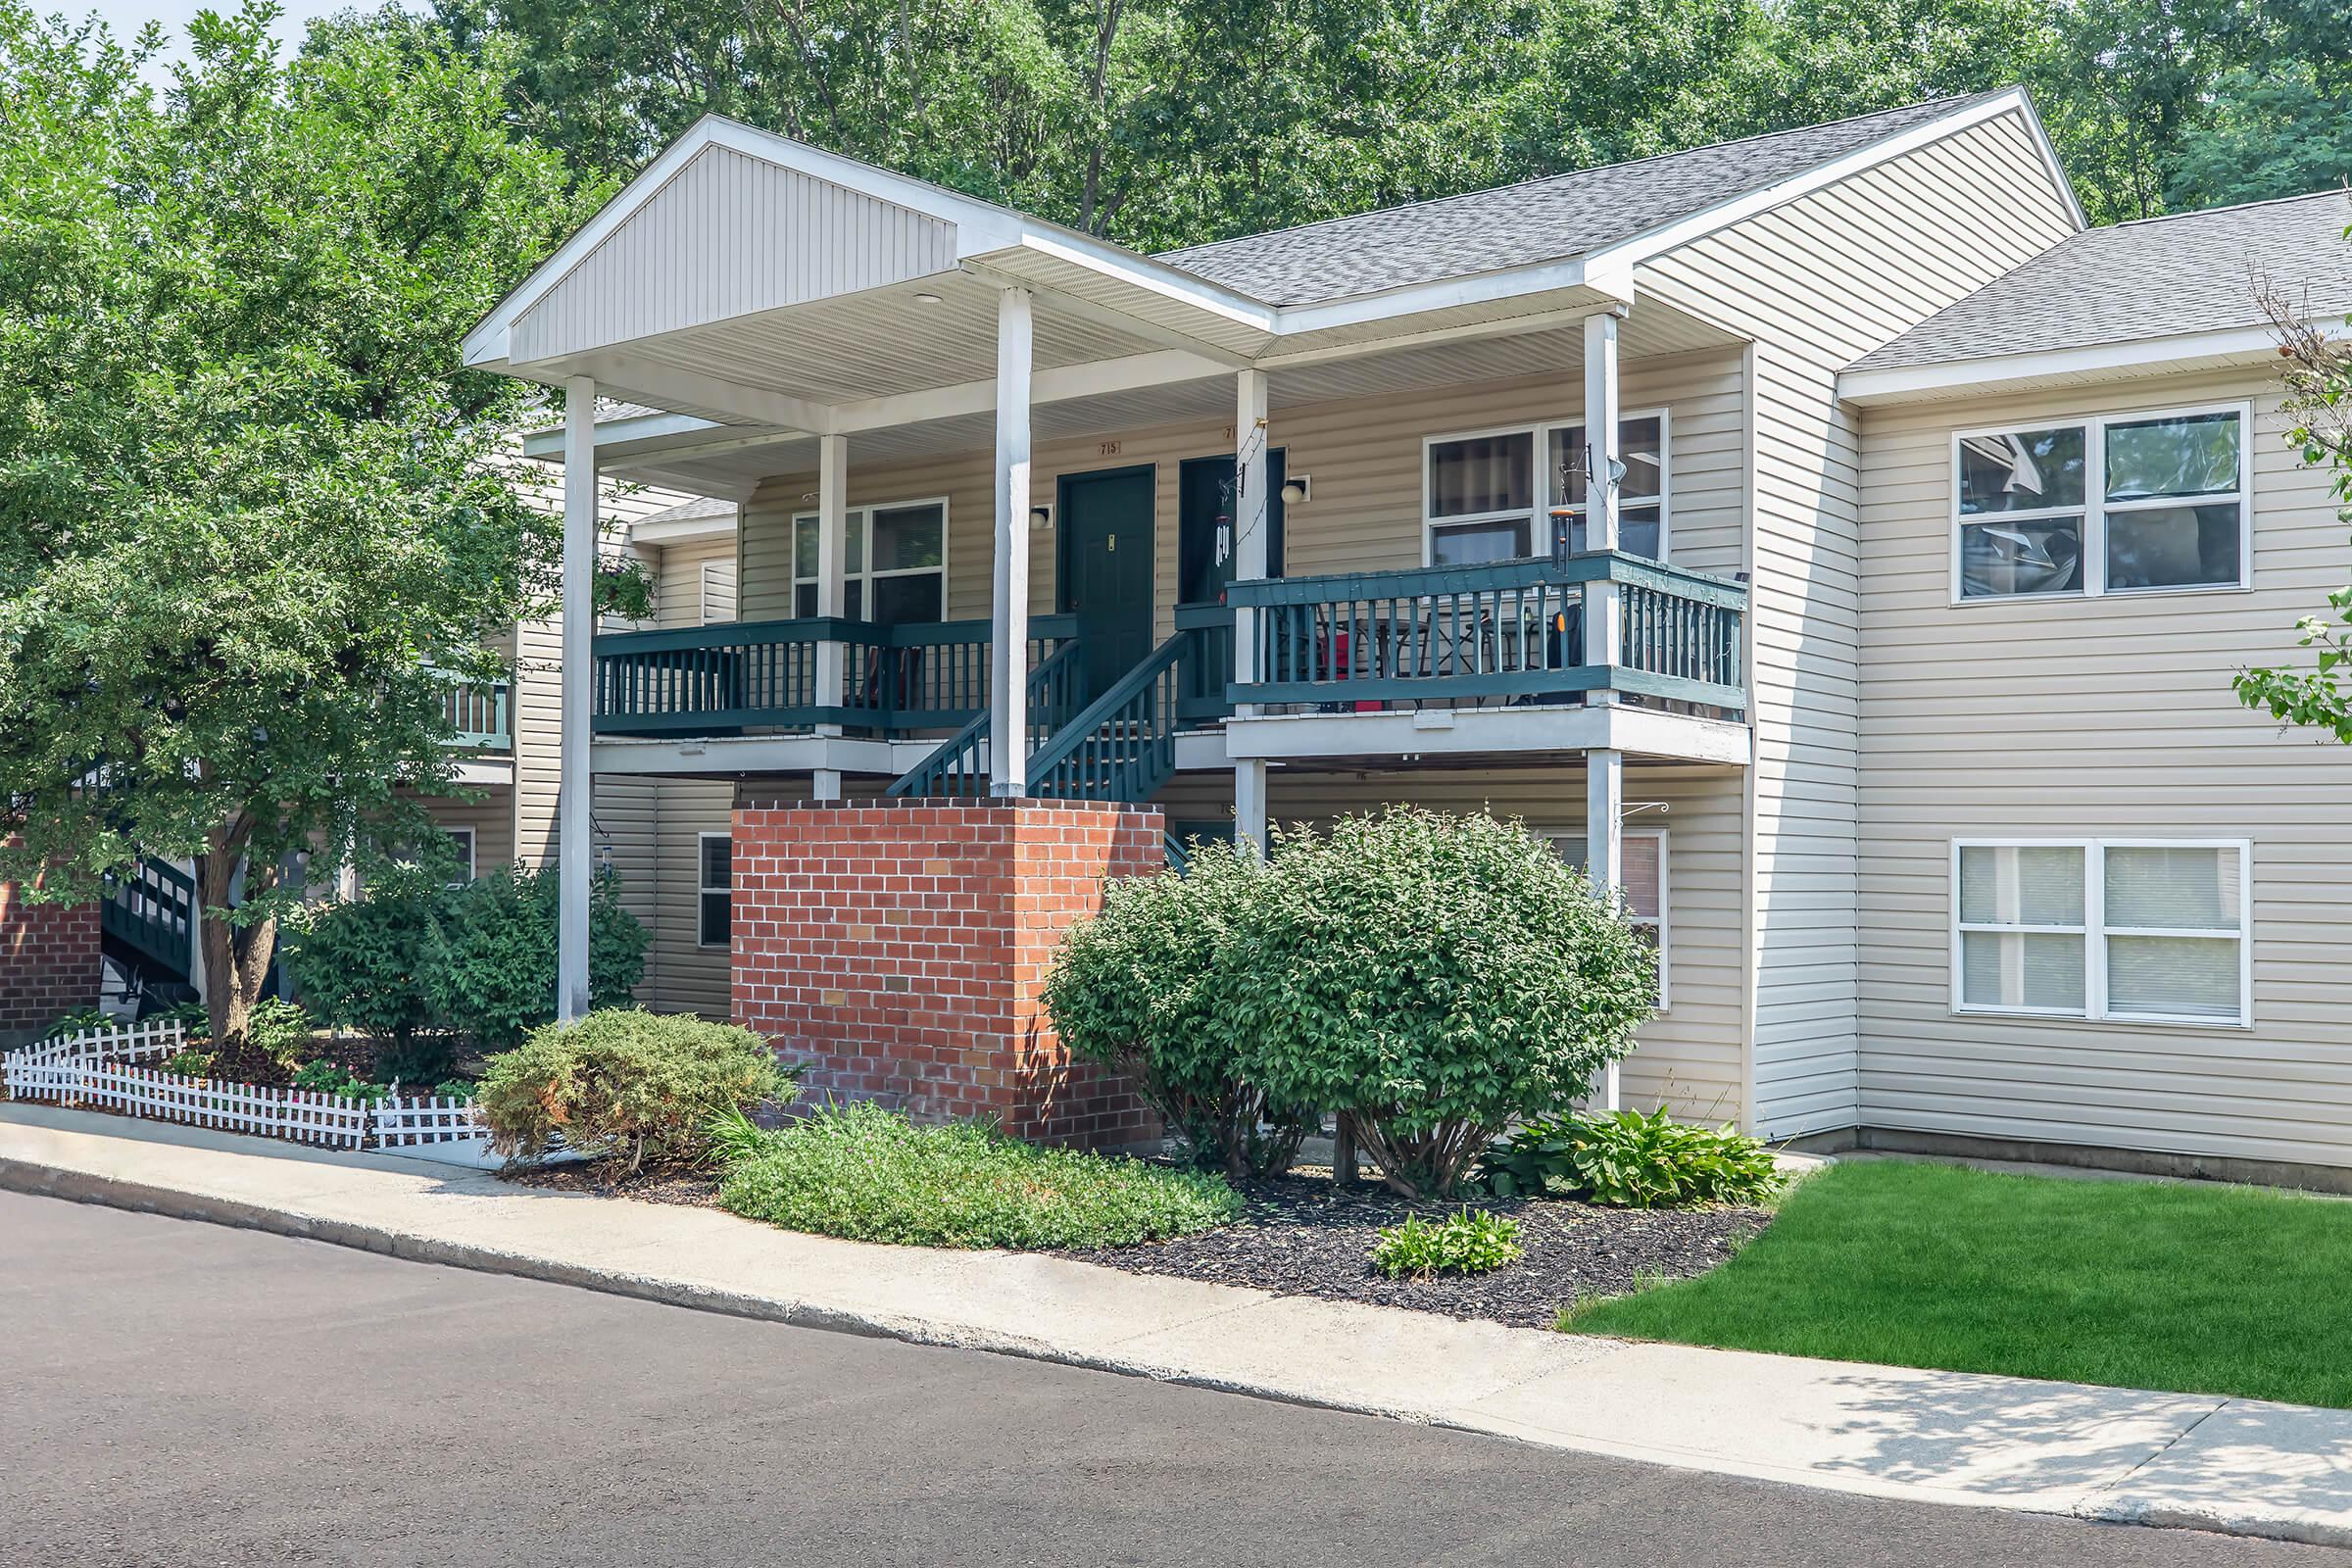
182,1393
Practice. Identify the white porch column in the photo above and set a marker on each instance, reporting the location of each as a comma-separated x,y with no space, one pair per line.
1601,611
832,567
1252,520
573,802
1604,855
1008,663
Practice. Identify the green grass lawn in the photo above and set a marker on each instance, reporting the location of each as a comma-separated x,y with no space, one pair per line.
2204,1288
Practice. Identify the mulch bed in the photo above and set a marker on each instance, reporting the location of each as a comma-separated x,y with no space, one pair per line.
687,1187
1299,1235
1303,1236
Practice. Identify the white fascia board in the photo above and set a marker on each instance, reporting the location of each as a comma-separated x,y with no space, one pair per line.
549,443
1901,383
1155,278
1492,732
681,531
1062,384
1415,299
1630,252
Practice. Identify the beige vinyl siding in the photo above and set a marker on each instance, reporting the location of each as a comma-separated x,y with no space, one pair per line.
1365,457
491,816
2106,717
1816,283
1690,1056
693,580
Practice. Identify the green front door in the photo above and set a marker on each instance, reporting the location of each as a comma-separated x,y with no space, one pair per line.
1104,568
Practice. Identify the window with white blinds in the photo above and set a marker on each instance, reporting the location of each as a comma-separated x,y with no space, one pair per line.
2136,929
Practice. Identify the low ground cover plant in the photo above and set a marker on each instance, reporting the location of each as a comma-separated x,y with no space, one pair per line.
1631,1159
1472,1241
333,1078
1436,977
2196,1287
870,1175
636,1085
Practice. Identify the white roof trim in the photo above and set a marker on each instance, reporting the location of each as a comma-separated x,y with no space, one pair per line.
1902,383
1627,254
983,229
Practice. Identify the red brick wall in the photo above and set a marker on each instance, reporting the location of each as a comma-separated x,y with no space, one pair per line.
898,947
49,963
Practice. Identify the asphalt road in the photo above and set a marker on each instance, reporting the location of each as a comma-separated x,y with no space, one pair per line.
182,1394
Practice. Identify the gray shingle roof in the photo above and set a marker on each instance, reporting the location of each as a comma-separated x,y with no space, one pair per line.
1537,220
2158,278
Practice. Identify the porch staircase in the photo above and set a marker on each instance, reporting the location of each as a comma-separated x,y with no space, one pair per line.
1120,747
146,925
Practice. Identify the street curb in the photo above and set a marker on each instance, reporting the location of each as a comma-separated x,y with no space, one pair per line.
34,1179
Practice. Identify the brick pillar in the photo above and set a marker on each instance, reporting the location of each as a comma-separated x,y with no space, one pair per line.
49,963
899,949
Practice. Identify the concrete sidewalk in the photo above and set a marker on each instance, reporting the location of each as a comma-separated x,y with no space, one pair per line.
2241,1466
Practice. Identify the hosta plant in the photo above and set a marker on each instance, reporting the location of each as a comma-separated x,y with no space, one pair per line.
1631,1161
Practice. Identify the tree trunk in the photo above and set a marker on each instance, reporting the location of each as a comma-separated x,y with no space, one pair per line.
235,959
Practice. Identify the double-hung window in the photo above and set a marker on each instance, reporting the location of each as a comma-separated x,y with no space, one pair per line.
1498,495
714,889
894,570
2130,503
2136,929
1645,888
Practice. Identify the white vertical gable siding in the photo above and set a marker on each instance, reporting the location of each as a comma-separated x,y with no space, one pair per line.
728,235
2107,717
1817,283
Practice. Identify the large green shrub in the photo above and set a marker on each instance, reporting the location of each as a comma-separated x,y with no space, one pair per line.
625,1082
489,967
1138,988
1438,976
364,964
869,1174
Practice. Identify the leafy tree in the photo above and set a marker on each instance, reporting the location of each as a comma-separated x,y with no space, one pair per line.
2319,383
248,497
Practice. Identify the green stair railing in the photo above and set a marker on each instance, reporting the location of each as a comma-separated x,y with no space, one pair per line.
959,766
151,911
1123,746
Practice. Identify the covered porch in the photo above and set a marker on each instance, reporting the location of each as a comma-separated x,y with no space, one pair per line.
1185,593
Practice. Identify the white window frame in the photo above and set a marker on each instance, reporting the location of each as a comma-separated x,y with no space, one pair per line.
2095,505
857,571
2095,931
1537,518
711,569
703,890
1665,919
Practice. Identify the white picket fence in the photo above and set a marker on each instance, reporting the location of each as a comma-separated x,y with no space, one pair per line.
101,1068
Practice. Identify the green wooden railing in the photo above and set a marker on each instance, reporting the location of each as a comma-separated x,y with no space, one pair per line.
152,909
1123,746
959,766
724,680
482,715
1209,671
1512,631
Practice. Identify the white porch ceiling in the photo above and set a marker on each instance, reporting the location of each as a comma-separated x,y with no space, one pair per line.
745,458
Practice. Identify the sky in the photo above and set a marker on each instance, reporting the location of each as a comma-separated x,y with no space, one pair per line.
127,16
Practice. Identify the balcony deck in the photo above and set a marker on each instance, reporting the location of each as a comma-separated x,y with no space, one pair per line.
1485,659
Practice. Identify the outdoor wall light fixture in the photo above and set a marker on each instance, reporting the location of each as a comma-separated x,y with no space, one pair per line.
1041,516
1297,488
